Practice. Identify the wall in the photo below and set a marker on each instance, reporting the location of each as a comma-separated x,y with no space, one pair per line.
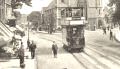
90,10
94,13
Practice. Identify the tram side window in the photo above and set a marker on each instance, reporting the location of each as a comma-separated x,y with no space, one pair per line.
81,33
69,31
69,35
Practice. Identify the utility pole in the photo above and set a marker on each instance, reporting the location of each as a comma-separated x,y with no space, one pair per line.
86,6
28,30
28,26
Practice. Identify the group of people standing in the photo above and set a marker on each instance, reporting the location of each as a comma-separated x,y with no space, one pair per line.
110,32
32,46
21,53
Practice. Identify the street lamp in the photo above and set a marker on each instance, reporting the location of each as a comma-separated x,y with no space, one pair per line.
48,27
28,30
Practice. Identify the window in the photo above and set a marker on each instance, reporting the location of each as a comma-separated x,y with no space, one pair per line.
77,13
63,13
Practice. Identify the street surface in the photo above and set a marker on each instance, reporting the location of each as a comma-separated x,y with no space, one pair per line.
100,52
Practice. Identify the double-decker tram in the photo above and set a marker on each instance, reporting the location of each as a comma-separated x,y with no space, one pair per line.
73,31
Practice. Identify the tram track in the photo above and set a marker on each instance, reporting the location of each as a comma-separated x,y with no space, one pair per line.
106,58
110,57
98,63
105,48
95,63
82,60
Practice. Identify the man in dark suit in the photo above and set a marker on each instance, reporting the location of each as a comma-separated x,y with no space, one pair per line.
54,49
33,47
21,54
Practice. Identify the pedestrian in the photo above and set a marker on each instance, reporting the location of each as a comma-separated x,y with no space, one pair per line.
54,49
21,55
108,27
33,47
104,30
111,35
28,44
13,41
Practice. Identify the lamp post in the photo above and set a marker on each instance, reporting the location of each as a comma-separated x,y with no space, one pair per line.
28,30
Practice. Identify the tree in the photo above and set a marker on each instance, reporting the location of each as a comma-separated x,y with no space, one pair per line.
108,13
116,14
35,18
16,3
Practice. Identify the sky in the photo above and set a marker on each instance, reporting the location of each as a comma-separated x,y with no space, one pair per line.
105,2
36,6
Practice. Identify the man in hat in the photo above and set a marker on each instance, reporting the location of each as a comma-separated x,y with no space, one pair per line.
33,47
54,49
21,54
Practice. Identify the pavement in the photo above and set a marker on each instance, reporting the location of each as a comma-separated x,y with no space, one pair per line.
13,63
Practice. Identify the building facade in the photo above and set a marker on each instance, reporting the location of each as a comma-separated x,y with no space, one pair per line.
94,13
49,17
5,10
2,10
91,10
5,13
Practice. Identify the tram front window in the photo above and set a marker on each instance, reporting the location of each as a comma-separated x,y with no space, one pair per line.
77,35
75,32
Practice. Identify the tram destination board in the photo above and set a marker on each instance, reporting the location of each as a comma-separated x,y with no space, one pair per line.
76,18
76,22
